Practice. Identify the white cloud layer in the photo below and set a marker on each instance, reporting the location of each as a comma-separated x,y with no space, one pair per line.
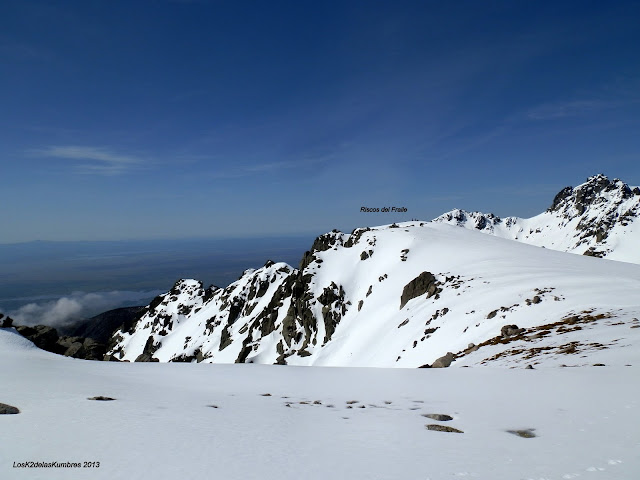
77,306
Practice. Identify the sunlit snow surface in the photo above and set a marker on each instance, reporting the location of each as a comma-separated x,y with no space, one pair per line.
162,424
487,283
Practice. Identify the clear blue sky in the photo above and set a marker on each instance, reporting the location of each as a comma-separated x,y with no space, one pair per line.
146,119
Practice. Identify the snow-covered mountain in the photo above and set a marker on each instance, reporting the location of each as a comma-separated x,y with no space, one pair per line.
597,218
402,295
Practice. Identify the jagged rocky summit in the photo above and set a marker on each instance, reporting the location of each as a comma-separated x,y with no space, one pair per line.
421,294
597,218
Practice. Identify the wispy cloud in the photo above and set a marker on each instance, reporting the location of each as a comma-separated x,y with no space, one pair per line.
267,167
92,160
285,164
78,305
574,108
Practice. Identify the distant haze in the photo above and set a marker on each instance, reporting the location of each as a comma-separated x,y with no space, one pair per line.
58,282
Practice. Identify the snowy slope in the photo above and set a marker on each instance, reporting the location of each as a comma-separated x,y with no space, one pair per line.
162,425
597,218
402,296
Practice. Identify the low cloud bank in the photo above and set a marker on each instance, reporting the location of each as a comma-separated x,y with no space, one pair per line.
77,306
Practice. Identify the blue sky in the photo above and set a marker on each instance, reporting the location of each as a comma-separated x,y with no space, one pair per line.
161,119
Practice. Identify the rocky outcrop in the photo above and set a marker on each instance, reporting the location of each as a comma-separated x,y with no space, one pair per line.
5,322
42,336
444,361
8,409
47,338
333,308
426,282
510,331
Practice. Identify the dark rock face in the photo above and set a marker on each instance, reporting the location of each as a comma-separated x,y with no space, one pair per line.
25,331
355,236
8,409
560,198
583,196
75,350
146,357
101,398
592,252
333,309
93,350
590,197
101,327
42,336
6,322
299,322
47,338
426,282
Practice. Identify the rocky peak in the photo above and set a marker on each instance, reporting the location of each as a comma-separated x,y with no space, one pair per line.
597,190
592,218
476,220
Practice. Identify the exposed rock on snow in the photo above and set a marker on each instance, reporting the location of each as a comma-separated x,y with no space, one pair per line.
526,433
8,409
510,331
441,417
424,283
444,361
46,338
443,428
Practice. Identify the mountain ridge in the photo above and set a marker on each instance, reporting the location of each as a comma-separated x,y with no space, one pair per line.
596,218
409,294
420,294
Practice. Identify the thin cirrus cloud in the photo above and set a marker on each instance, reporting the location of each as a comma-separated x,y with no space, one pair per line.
576,108
92,160
270,167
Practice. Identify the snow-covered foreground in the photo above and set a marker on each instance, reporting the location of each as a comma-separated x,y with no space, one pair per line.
162,424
